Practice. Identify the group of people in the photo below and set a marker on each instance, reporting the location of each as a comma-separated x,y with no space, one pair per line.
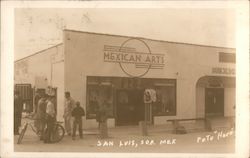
73,111
45,115
45,112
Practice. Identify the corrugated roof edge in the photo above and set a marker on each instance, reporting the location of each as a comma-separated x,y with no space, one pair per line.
147,39
38,52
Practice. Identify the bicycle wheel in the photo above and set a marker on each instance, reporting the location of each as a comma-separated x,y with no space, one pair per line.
58,133
22,133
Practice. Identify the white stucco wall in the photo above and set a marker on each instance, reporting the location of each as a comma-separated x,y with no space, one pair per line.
37,65
200,102
229,102
58,82
184,62
43,69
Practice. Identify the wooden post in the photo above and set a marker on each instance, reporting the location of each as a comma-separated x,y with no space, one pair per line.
146,112
143,124
150,113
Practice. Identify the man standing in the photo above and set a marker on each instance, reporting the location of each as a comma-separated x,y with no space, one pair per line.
77,113
18,108
41,113
68,107
102,116
50,119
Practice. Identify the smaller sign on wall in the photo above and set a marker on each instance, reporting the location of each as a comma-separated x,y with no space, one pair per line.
226,71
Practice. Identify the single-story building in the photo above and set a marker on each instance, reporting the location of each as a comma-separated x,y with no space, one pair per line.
190,80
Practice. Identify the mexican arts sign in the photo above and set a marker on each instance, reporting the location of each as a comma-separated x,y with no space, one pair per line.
134,57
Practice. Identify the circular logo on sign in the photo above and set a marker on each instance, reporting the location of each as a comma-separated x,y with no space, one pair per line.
134,57
134,68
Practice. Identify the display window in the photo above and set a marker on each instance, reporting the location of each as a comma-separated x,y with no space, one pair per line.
116,93
166,100
99,95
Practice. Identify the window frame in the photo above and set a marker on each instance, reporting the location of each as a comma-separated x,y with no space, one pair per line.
175,98
87,96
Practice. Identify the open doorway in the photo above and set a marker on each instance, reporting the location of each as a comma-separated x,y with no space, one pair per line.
214,101
215,96
130,109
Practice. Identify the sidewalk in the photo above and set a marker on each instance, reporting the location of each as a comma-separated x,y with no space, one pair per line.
129,139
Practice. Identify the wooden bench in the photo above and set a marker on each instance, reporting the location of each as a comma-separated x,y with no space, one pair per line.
177,126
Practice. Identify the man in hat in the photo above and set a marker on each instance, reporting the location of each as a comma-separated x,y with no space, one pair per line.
41,113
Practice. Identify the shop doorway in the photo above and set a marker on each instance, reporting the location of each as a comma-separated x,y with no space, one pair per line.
214,102
130,107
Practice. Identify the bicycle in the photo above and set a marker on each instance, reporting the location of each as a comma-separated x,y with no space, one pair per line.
57,134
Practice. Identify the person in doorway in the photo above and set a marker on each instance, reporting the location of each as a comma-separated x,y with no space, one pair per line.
102,116
50,119
41,115
18,108
93,105
78,112
68,107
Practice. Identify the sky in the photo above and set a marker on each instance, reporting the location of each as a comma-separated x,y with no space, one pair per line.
40,28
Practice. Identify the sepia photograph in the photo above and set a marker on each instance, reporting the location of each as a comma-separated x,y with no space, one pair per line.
92,79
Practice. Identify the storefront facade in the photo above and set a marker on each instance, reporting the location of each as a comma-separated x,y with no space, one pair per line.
190,80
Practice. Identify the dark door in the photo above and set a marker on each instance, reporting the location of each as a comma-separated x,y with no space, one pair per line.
129,108
136,99
214,101
26,93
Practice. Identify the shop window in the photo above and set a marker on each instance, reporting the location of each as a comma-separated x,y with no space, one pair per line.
99,95
166,100
103,90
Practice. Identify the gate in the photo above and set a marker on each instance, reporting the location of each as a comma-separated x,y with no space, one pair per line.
26,93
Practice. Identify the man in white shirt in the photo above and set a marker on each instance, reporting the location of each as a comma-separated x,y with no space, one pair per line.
50,119
68,108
